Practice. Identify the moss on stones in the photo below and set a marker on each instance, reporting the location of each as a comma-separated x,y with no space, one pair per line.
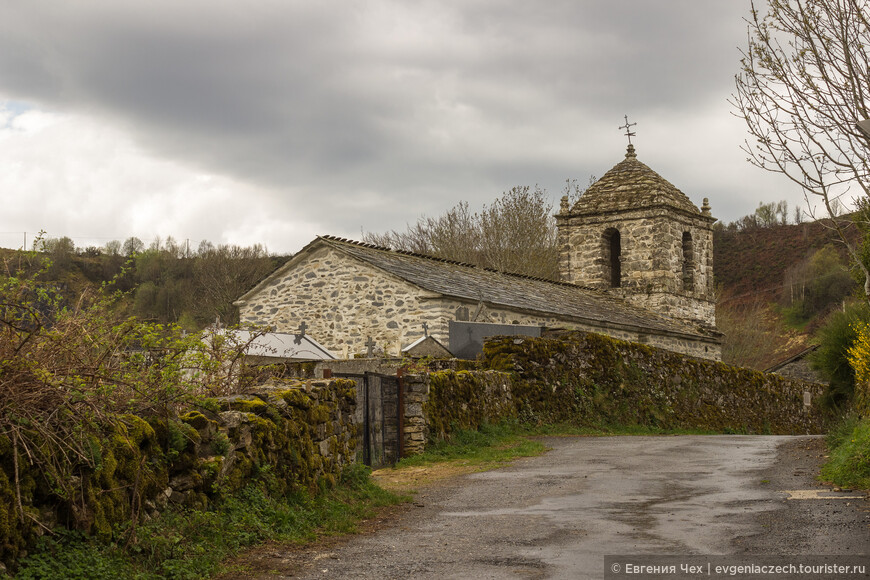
139,460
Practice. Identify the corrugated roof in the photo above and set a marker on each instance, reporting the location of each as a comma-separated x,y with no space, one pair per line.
278,345
464,281
629,185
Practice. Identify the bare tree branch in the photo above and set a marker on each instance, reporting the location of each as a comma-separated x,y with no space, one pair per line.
804,83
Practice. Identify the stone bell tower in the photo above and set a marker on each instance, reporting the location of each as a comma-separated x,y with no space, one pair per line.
635,235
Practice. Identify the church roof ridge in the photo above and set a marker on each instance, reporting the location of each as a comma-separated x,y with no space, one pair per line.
404,252
455,262
631,184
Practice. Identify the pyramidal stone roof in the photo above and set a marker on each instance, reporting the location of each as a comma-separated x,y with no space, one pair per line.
631,185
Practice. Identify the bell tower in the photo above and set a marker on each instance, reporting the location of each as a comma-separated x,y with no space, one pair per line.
634,234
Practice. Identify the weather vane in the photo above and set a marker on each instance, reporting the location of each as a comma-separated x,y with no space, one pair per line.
628,132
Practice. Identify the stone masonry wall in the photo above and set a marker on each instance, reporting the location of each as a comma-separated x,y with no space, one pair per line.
590,379
343,302
651,259
681,344
597,378
303,432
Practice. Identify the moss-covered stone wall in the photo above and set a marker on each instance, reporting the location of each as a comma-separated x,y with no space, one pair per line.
466,400
301,432
590,379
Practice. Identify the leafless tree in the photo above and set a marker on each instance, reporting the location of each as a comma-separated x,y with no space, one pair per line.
226,272
516,233
803,85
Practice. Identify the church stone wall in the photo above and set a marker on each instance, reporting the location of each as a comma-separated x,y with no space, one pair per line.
674,306
690,346
343,302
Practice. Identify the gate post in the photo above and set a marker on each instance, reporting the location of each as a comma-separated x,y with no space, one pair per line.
400,412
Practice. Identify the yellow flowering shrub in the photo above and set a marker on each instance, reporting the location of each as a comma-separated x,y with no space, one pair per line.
859,359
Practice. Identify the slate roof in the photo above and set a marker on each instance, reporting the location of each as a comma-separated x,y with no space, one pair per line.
629,185
464,281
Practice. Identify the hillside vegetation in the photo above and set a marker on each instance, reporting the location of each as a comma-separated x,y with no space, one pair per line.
162,283
777,283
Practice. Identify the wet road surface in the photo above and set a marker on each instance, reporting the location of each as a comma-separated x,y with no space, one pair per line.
558,515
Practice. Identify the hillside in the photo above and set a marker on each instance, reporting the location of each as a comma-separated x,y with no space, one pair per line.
752,263
776,286
157,284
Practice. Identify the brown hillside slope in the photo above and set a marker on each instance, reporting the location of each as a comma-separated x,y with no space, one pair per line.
751,264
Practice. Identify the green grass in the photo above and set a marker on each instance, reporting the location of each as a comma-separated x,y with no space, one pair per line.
491,444
187,544
849,461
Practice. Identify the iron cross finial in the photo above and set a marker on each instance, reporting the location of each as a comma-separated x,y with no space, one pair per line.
628,132
301,335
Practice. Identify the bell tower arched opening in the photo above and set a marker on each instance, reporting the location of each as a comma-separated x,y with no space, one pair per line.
688,263
613,257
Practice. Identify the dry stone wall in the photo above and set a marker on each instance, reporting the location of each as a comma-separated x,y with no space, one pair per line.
303,431
590,379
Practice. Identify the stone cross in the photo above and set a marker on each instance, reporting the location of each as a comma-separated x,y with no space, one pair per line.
425,329
301,335
370,346
628,132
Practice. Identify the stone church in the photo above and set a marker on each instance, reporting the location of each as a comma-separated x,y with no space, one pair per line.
635,260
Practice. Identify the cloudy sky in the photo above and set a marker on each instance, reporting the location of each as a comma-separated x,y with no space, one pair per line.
276,120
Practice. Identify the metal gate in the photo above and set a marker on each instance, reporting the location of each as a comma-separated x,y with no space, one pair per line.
378,412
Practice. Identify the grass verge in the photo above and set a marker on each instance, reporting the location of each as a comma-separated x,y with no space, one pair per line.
187,544
490,446
849,461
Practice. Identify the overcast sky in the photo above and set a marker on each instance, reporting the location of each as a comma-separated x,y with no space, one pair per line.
274,121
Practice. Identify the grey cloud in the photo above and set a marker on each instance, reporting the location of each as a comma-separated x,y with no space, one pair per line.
322,101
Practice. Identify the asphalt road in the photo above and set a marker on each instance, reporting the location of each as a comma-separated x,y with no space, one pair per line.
558,515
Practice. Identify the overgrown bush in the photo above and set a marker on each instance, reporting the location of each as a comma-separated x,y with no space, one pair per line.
815,285
753,337
74,381
835,339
